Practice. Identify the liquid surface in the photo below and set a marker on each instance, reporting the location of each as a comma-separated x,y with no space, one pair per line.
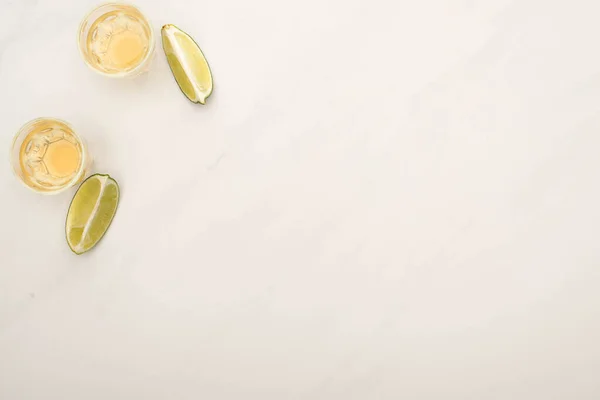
50,156
118,41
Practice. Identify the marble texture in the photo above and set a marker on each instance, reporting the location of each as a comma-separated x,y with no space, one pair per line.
381,200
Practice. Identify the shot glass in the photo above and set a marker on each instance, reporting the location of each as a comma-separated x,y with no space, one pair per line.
48,157
116,40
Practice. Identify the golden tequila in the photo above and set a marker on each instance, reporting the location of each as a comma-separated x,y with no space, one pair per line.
116,40
48,156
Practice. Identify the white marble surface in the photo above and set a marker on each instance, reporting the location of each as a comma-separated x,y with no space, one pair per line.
382,200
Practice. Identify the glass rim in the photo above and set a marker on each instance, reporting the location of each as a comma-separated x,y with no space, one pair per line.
15,162
83,49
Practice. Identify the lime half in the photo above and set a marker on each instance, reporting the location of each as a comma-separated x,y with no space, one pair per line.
91,212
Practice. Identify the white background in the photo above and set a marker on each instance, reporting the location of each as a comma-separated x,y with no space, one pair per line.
381,200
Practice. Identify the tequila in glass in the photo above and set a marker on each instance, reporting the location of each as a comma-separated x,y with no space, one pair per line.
48,156
116,40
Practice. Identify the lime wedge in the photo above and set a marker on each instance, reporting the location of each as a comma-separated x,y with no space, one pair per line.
91,212
188,64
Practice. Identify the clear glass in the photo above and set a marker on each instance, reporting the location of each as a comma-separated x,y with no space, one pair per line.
116,40
48,156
